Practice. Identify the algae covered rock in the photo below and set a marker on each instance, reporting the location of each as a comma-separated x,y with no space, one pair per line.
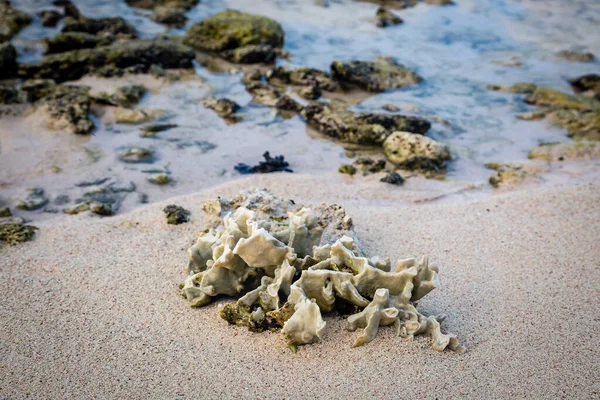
587,85
525,88
176,214
169,16
5,212
415,151
375,76
289,264
74,64
152,4
100,26
36,89
506,174
49,18
579,124
67,41
34,200
386,18
225,108
16,233
580,149
12,21
8,61
347,169
136,155
544,97
123,96
302,76
359,127
68,107
576,56
229,30
393,178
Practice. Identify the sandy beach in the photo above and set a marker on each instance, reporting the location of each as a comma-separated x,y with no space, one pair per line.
90,308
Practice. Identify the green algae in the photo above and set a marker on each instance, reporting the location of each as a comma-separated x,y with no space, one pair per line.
16,233
375,76
347,169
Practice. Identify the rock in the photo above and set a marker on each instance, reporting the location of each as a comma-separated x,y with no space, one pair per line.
8,61
533,115
67,41
587,85
347,169
73,65
251,54
153,130
49,18
581,149
159,179
5,212
16,233
263,93
523,88
225,108
579,124
253,75
68,107
35,200
286,103
100,26
375,76
136,155
176,214
369,166
12,21
271,164
302,76
170,16
544,97
124,96
9,94
153,4
391,108
386,18
230,30
393,178
102,209
359,127
412,151
310,92
133,116
79,208
36,89
506,174
69,9
576,56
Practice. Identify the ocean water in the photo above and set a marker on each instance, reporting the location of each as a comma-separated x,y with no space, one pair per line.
457,49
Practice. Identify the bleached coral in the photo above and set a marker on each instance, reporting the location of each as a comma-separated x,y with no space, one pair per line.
288,265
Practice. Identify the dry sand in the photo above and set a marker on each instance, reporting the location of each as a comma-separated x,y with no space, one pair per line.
90,308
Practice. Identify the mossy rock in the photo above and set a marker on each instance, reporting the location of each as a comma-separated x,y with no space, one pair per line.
5,212
581,149
100,26
49,18
506,174
358,127
520,88
8,61
347,169
225,108
576,56
251,54
67,41
16,233
176,214
9,94
70,104
124,96
12,21
579,124
544,97
136,155
588,85
415,151
34,200
375,76
152,4
74,64
169,16
386,18
232,29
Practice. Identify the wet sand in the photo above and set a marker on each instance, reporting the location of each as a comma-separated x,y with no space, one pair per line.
90,308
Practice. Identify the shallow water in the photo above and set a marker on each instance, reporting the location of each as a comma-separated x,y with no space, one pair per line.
457,49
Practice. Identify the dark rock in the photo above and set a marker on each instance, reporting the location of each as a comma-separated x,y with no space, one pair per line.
576,56
520,88
16,233
229,30
310,92
225,108
5,212
50,18
253,75
176,214
152,130
67,41
587,85
124,96
152,4
271,164
102,209
302,76
36,89
386,18
8,61
359,127
73,65
251,54
393,178
369,166
12,21
347,169
35,200
70,10
70,104
263,93
170,16
94,182
375,76
391,108
100,26
9,94
136,155
286,103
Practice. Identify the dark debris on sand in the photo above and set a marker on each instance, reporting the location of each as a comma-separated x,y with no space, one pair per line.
176,214
271,164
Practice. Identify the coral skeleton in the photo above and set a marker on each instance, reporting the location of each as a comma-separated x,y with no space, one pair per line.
288,264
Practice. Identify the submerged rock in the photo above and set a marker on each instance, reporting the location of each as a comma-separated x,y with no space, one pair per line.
579,124
263,93
359,127
16,233
73,65
35,200
367,165
152,4
8,61
237,36
67,41
287,103
576,56
75,22
9,94
393,178
12,21
386,18
411,151
152,130
506,174
136,155
347,169
170,16
159,179
5,212
375,76
524,88
225,108
102,209
36,89
587,85
124,96
67,106
310,92
544,97
50,18
581,149
176,214
302,76
271,164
